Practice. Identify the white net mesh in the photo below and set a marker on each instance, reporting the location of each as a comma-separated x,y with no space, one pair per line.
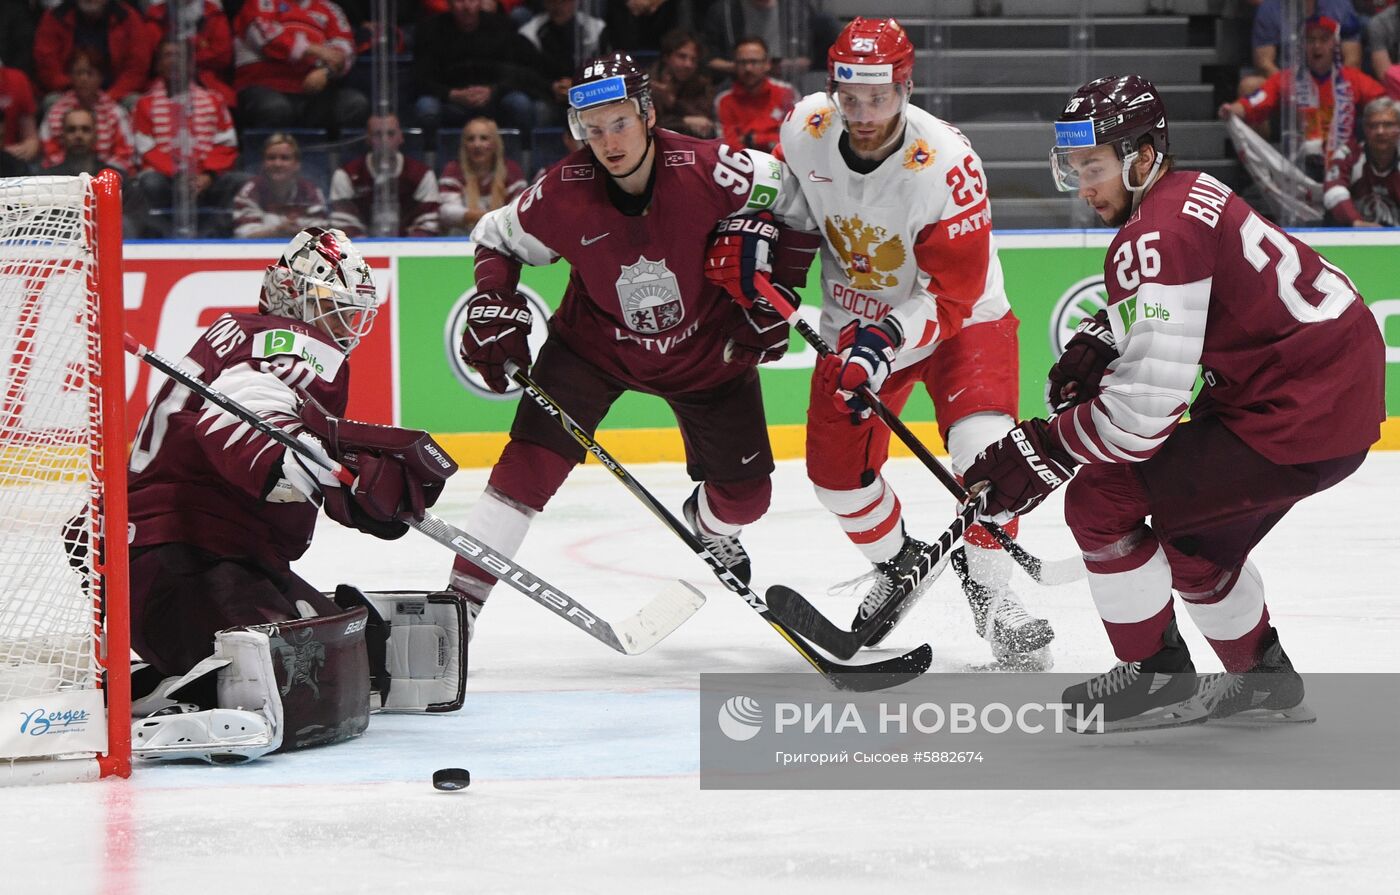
50,437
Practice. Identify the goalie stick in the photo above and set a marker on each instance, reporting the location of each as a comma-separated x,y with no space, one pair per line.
634,634
795,610
1059,572
857,678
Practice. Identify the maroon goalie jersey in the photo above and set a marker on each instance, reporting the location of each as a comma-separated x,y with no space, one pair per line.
1292,359
638,305
197,476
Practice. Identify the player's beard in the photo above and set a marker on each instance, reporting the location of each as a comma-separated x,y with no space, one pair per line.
881,140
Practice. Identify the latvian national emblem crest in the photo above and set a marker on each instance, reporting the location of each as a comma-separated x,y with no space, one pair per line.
650,296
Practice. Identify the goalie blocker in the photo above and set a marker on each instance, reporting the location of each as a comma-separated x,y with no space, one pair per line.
309,682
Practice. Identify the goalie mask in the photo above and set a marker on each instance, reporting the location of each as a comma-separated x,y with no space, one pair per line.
1122,112
876,57
322,279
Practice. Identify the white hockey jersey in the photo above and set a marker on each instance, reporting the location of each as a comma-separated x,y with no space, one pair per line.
912,238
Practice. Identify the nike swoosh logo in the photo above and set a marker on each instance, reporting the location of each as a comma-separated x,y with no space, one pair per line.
817,178
954,396
588,242
750,458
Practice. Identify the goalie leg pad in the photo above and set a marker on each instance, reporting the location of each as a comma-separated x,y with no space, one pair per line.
310,676
426,651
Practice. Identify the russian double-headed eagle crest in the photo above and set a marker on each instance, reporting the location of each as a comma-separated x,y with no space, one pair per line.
869,255
818,122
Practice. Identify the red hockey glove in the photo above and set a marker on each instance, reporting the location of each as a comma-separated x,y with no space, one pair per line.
763,334
866,354
498,330
1021,469
1075,377
741,247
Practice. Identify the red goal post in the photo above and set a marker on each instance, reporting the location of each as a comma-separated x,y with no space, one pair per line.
65,688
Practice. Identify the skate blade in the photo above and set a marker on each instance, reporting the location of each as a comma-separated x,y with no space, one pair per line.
1299,714
1181,714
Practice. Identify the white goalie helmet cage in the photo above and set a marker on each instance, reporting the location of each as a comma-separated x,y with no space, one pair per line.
323,279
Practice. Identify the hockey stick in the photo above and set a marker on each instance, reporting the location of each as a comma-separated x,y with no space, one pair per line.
795,610
634,634
1059,572
859,678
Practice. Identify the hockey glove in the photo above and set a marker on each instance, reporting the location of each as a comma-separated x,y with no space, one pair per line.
866,355
762,336
398,472
1020,470
741,247
498,330
1075,377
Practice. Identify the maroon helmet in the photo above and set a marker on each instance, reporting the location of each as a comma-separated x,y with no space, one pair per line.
1118,112
604,80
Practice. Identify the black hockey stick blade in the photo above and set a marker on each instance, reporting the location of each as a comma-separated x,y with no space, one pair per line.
798,613
880,675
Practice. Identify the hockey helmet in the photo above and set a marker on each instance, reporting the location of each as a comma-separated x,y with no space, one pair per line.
322,279
1120,112
874,52
604,80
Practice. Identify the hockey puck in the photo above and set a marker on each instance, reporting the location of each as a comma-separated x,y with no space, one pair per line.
451,779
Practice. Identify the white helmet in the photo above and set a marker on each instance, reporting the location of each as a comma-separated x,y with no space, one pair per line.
322,279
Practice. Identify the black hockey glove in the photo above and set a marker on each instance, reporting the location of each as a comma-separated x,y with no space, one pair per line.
1075,377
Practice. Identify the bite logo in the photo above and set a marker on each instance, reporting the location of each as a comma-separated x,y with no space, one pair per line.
740,718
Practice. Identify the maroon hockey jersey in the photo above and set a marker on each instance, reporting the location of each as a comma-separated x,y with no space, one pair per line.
1359,190
638,305
197,483
1292,359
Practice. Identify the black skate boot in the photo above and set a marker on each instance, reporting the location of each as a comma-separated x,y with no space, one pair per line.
726,549
1019,640
1270,692
905,578
1159,691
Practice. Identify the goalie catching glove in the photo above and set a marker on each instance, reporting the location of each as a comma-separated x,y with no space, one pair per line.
498,332
1018,471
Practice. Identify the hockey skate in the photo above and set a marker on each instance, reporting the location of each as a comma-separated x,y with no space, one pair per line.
1160,691
905,577
726,548
1269,693
1019,640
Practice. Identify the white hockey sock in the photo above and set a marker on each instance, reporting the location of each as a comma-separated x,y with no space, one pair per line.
501,523
1125,598
1234,616
870,516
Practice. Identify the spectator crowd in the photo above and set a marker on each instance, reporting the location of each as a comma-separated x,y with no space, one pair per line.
275,96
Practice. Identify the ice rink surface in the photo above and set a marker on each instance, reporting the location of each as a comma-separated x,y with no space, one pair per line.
584,762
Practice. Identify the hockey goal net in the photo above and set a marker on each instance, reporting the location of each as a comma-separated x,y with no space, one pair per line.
64,629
